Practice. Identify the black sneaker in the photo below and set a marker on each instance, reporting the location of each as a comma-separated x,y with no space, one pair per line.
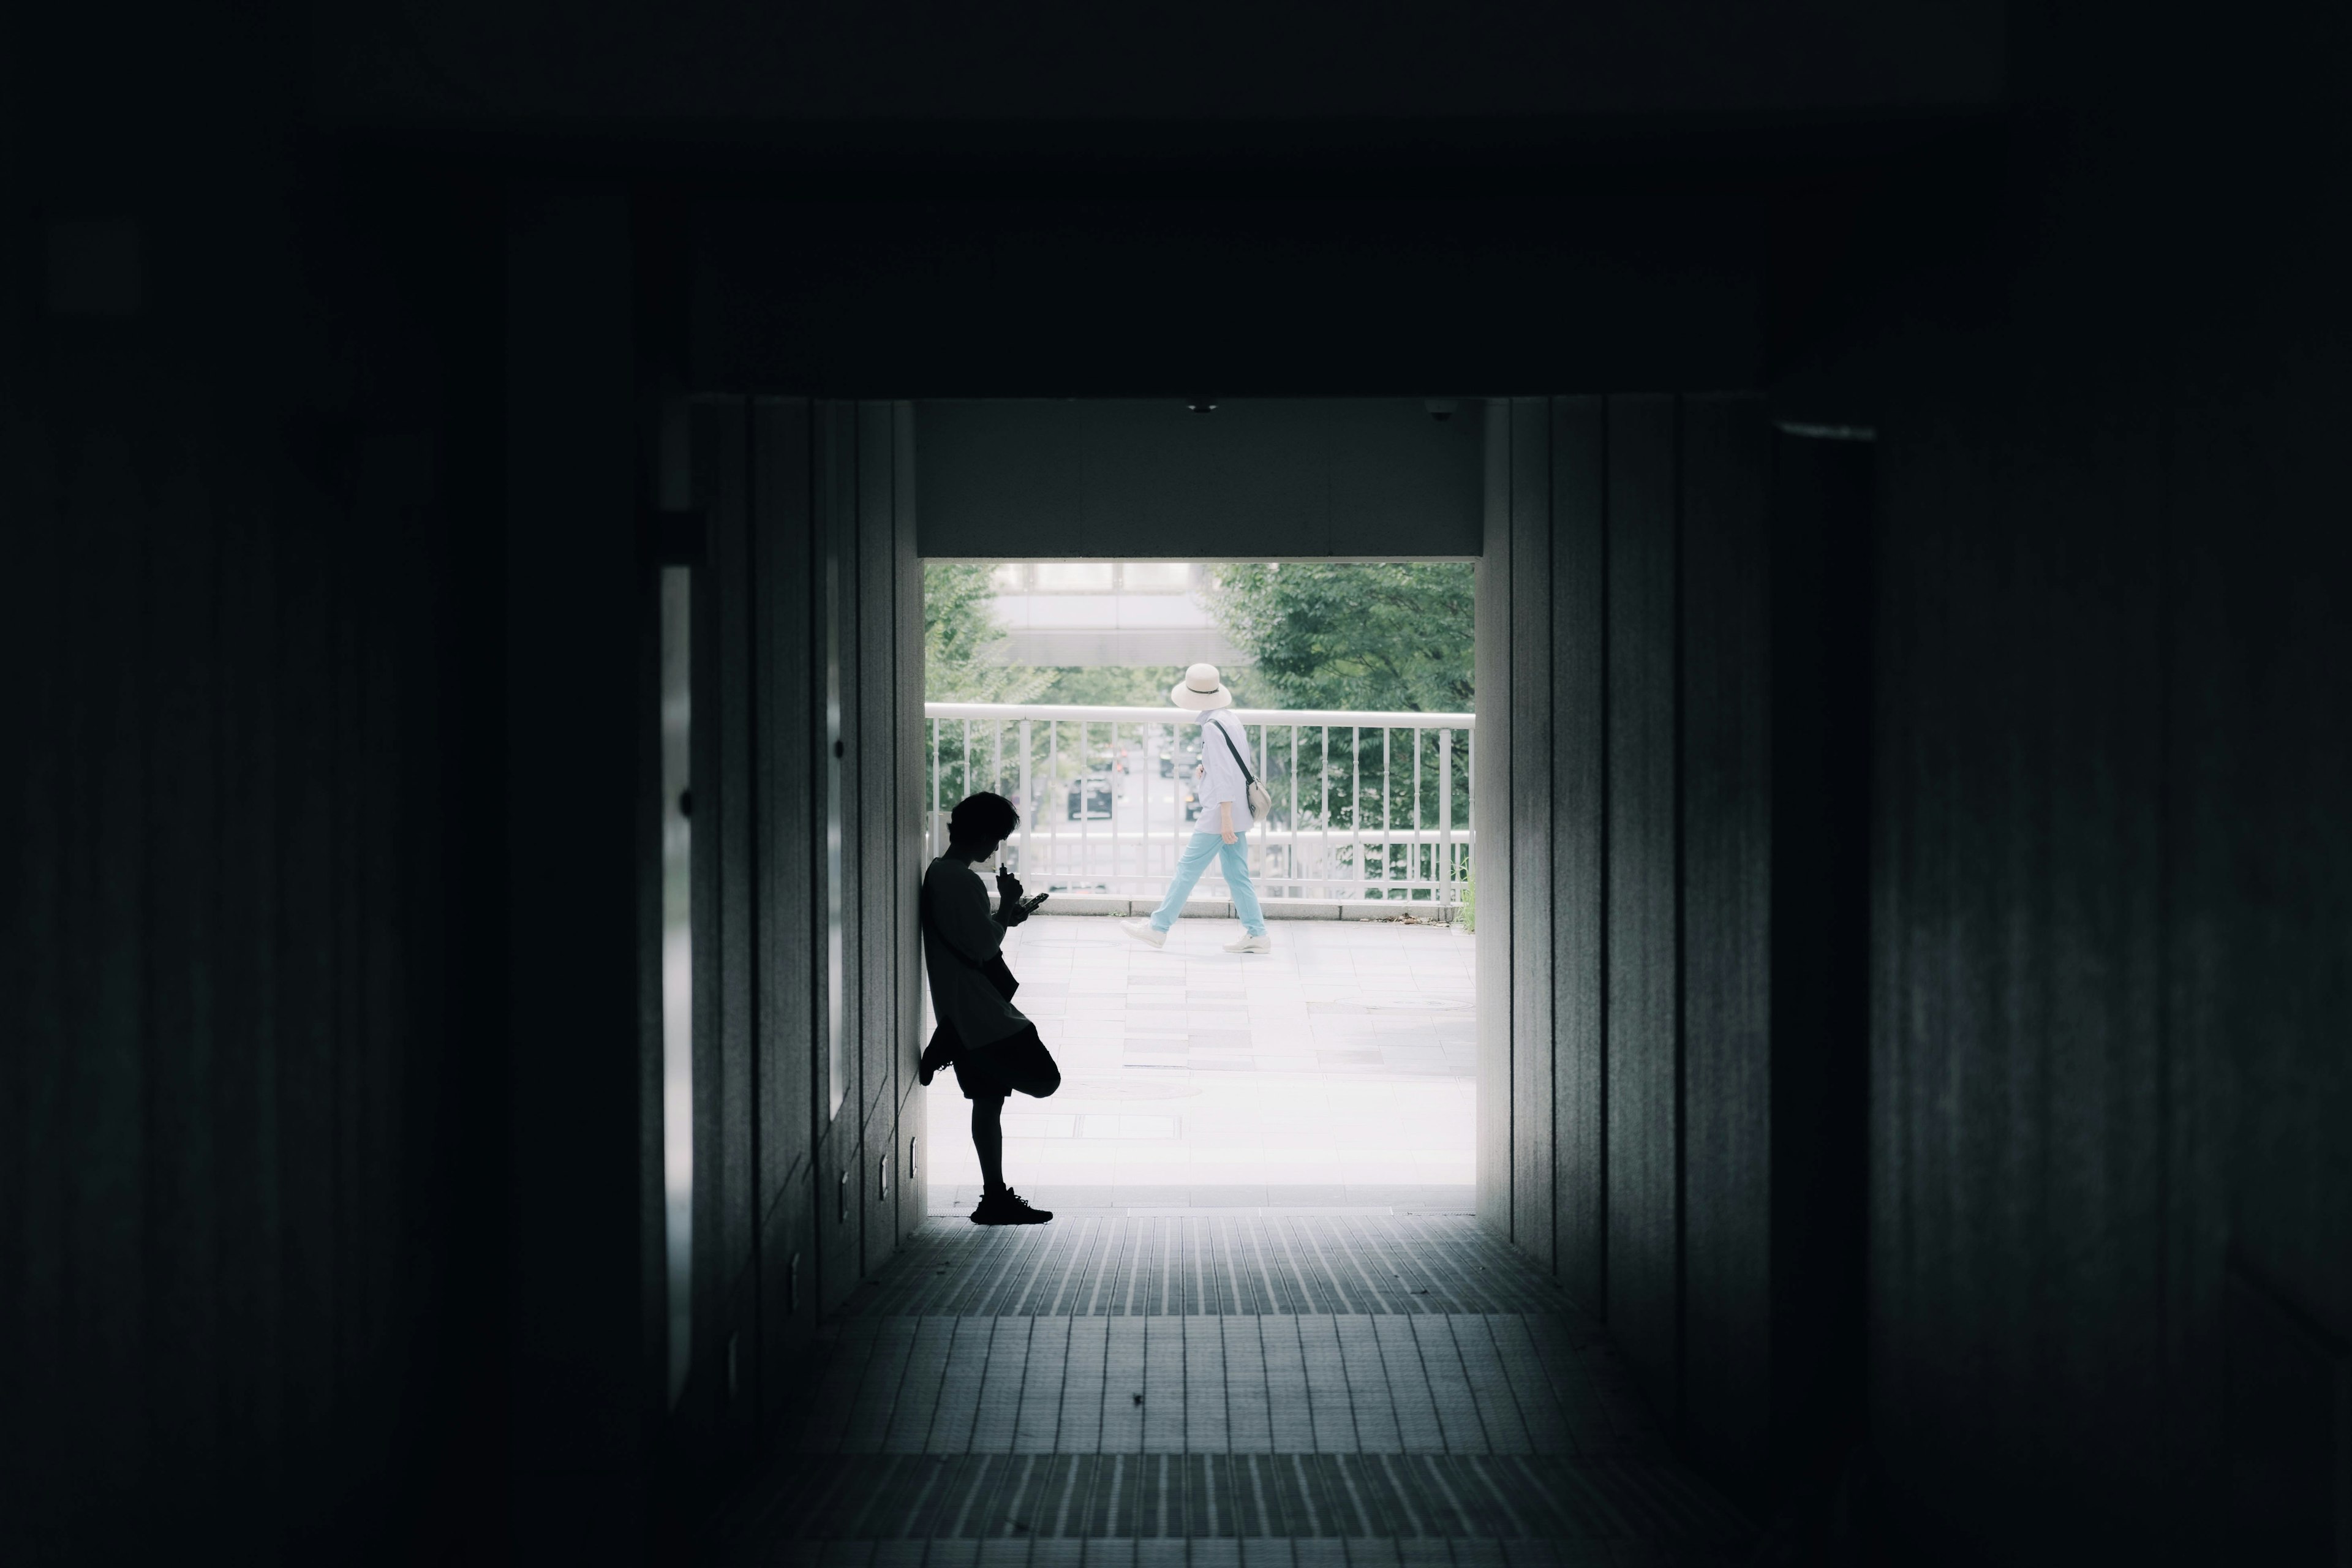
1008,1207
936,1056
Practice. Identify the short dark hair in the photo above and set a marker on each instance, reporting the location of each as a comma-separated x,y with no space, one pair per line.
979,818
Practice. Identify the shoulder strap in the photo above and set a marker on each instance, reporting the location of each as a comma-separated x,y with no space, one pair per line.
1236,750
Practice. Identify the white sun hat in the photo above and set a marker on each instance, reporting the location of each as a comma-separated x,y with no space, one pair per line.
1201,689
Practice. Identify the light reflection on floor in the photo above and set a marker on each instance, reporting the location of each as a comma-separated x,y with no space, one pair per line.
1337,1070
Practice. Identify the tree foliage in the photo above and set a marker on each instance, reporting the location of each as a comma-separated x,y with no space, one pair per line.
959,631
1378,636
1369,636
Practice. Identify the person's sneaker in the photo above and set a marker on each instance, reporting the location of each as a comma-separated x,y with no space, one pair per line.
1261,943
1008,1207
1145,933
935,1055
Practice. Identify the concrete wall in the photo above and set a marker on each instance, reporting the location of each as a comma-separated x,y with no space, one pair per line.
1250,281
2110,1192
1632,1137
808,562
1371,479
334,1222
567,776
863,75
253,1076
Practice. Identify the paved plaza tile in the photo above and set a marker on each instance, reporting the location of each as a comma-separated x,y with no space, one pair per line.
1340,1070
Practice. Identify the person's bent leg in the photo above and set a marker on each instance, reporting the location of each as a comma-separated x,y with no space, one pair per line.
1027,1065
1189,866
988,1139
1017,1062
1237,878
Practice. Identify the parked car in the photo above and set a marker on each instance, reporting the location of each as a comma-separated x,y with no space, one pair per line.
1092,798
1186,756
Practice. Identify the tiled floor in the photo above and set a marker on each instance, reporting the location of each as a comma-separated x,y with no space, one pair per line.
1223,1391
1339,1070
1264,1331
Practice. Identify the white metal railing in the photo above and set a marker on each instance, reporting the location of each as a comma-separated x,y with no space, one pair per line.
1366,806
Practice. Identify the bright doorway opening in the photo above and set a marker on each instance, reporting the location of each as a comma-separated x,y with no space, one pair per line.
1340,1070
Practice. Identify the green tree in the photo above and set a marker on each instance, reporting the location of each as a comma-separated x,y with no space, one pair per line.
1128,684
1377,636
959,631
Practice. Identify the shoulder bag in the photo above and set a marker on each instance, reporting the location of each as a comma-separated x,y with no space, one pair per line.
1261,799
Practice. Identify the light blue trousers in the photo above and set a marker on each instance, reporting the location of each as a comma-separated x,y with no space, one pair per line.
1195,861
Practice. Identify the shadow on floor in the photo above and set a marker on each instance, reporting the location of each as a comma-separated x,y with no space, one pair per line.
1274,1390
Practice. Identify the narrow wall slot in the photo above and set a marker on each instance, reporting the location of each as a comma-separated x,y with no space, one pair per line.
840,1199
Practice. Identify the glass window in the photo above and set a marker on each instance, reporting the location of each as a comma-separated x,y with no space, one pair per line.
1157,576
1074,576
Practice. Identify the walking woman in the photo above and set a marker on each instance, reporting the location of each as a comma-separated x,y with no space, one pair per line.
1224,821
992,1044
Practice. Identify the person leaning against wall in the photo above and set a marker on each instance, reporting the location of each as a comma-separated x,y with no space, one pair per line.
992,1044
1226,786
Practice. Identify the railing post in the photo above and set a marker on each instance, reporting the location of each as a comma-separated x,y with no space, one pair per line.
1470,777
1323,802
1284,860
1028,799
1356,801
1446,816
1387,849
1413,872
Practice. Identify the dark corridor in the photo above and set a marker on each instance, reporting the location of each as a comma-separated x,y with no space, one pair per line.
1901,441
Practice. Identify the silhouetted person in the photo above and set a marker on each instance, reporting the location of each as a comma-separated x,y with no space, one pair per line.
994,1048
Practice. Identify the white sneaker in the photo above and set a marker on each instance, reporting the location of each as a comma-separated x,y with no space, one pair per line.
1262,943
1142,931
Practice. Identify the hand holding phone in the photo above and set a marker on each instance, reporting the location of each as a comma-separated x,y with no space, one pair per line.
1029,905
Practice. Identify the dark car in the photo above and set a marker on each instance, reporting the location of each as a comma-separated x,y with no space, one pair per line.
1091,799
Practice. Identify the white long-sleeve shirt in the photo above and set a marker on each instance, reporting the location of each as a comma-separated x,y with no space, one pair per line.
1223,780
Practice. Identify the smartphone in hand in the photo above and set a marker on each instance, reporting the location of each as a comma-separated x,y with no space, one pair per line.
1029,904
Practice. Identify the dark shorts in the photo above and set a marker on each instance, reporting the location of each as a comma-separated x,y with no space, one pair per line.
1018,1062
